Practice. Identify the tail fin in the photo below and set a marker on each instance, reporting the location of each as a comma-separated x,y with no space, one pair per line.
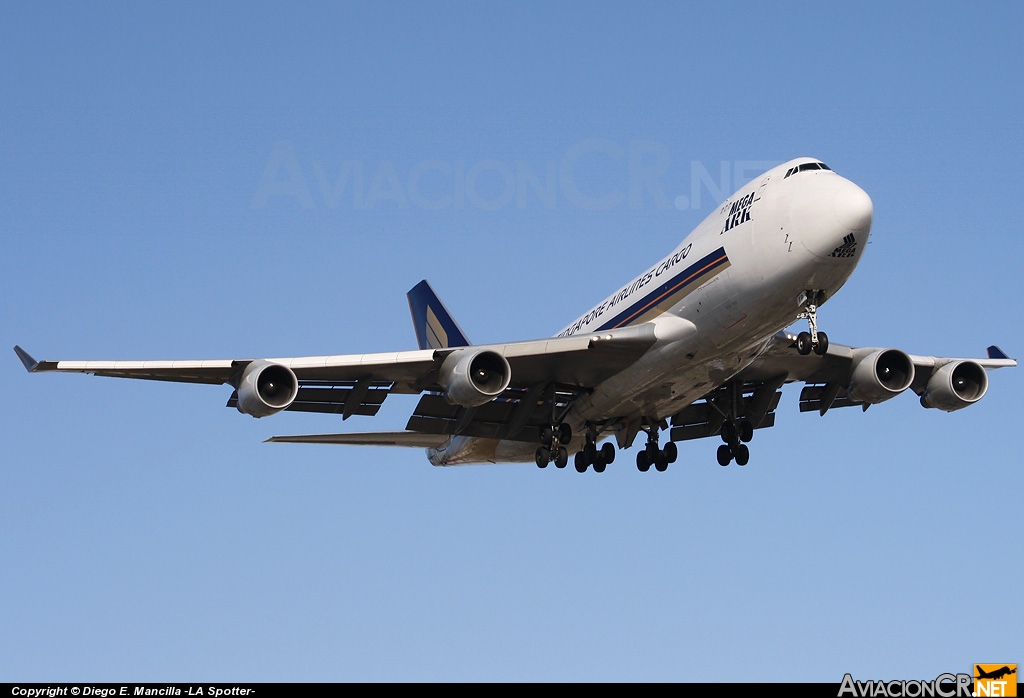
435,328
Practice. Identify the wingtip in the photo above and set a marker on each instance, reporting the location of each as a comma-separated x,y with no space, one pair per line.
30,364
995,352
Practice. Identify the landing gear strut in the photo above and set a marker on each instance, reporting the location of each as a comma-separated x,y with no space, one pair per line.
737,430
736,437
552,438
815,341
591,455
653,455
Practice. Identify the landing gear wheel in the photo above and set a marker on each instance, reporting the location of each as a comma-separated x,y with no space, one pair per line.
643,464
581,465
652,451
590,451
803,343
742,455
729,432
600,464
561,457
724,455
671,452
822,344
746,431
547,433
661,465
543,457
564,433
608,453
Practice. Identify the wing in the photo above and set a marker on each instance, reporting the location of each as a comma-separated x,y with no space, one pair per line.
844,377
850,376
548,369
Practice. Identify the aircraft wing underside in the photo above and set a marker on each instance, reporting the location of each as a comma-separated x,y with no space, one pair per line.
828,377
545,374
754,400
754,394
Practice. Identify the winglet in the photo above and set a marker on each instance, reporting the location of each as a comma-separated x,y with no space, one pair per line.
30,364
995,352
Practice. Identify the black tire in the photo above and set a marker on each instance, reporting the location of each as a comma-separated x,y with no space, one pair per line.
671,452
600,465
543,457
661,465
746,431
652,450
742,455
822,347
724,455
729,432
580,461
590,451
561,457
608,453
581,466
643,464
803,343
564,433
546,434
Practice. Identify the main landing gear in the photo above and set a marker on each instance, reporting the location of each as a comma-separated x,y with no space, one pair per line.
552,438
815,341
652,455
736,436
591,455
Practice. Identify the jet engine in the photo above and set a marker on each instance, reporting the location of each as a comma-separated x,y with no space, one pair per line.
473,377
955,386
266,388
880,375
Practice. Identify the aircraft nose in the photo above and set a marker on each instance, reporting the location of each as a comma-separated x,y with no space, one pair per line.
838,221
853,207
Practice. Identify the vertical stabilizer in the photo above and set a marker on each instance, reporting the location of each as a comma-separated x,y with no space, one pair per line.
435,328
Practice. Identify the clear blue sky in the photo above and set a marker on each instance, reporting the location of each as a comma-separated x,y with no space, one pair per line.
171,186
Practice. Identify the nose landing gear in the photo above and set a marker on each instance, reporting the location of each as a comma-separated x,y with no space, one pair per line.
815,341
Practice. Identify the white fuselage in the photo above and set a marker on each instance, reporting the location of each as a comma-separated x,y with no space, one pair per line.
736,280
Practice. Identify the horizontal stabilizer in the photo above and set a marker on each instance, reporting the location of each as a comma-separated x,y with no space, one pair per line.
26,358
411,439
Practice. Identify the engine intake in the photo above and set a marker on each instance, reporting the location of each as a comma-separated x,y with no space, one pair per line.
881,375
955,386
266,388
473,377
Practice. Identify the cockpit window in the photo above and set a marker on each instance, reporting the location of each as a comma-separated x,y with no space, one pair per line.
808,166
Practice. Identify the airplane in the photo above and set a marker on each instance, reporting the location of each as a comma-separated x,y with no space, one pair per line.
693,347
996,674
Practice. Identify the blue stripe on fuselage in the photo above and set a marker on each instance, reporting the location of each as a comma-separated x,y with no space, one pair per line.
685,278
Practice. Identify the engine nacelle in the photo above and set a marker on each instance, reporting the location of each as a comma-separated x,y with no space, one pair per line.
881,375
472,377
266,388
955,386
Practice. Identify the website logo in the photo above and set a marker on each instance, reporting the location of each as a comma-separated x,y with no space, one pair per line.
995,680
